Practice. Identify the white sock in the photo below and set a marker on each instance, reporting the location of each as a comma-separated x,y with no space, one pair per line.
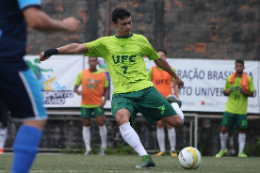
86,137
131,137
241,142
161,138
3,136
103,135
178,110
172,138
223,140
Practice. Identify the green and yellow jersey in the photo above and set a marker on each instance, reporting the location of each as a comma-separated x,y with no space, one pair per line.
124,60
237,102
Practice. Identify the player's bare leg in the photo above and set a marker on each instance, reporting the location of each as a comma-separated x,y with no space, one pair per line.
174,121
103,134
86,134
130,136
39,124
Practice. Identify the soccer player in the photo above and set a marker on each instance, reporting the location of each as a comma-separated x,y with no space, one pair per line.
3,125
164,83
18,86
133,92
238,88
94,83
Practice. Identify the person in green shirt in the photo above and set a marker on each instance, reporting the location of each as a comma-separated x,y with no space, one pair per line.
238,88
133,91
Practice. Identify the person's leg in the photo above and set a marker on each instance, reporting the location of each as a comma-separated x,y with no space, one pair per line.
3,136
172,139
128,133
223,141
22,96
242,126
160,134
86,134
103,133
124,108
241,143
223,137
228,122
3,125
130,136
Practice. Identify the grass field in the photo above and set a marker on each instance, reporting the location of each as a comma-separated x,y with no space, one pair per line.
123,164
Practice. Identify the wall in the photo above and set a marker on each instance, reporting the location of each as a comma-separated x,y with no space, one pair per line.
187,28
65,133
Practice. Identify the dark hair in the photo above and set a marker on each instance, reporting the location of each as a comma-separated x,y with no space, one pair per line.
240,61
162,50
120,13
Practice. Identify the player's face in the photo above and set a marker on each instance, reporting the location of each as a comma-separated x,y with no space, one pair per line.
92,62
123,27
162,55
239,68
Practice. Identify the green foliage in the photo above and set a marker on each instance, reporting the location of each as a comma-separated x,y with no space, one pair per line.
120,149
252,149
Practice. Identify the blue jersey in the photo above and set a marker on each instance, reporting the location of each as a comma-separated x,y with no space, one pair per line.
13,33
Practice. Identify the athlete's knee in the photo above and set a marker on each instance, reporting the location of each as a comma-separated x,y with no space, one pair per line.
36,123
178,122
160,124
224,129
86,122
101,122
122,116
241,131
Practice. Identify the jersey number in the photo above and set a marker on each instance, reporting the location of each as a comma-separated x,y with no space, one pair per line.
125,69
237,97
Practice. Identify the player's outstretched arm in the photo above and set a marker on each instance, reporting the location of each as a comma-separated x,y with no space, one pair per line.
73,48
39,20
162,63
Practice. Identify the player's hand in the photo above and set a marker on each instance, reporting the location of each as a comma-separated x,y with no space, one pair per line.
42,58
71,24
228,91
79,93
179,83
102,104
47,54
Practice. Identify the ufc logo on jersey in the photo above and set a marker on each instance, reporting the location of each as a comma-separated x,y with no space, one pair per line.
162,81
123,58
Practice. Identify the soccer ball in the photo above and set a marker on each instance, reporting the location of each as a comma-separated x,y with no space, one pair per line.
190,158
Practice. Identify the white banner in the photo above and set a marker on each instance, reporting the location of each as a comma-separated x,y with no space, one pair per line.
204,81
57,77
203,89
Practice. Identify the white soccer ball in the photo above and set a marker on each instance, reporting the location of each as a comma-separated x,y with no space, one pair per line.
190,158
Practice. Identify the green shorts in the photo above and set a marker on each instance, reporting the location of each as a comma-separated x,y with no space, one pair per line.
87,112
149,102
230,120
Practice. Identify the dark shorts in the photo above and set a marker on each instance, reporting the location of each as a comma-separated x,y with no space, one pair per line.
230,120
22,95
87,112
149,102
